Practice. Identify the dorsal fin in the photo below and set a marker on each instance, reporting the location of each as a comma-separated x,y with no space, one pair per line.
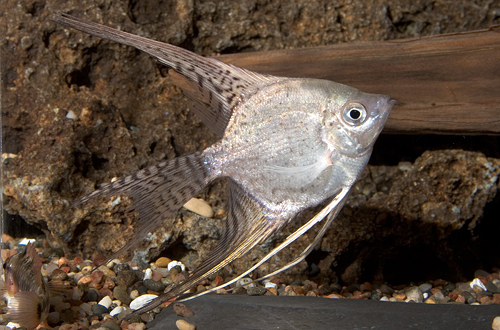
217,87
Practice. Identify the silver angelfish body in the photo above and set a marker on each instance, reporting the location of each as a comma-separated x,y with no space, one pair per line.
286,144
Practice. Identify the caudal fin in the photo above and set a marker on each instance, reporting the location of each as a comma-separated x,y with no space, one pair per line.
158,191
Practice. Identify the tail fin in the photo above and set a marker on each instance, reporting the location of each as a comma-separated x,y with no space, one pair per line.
158,191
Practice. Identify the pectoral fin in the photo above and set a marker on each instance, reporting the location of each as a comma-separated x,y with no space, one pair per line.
301,175
24,309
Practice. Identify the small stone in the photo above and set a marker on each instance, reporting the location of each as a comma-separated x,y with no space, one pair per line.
111,325
491,287
156,276
107,271
86,308
162,262
148,274
426,287
182,310
477,285
106,302
256,291
120,293
136,326
485,300
183,325
481,273
58,274
399,295
453,295
117,310
121,267
440,298
469,297
272,291
414,294
99,309
142,301
153,285
199,206
126,278
387,290
26,43
365,287
92,295
97,276
53,318
176,263
496,323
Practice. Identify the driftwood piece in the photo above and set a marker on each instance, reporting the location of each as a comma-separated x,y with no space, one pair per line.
444,84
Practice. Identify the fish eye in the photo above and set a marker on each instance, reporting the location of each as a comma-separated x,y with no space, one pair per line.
354,113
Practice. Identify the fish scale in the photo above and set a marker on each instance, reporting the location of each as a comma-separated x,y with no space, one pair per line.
287,144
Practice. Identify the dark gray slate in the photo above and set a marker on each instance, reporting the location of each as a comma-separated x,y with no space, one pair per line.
242,312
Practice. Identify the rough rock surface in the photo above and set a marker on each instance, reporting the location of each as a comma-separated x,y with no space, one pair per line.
78,111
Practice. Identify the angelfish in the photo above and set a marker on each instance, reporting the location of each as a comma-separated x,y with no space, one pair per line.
286,144
25,289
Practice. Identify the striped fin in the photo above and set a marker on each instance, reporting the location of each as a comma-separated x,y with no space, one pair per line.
24,309
246,226
157,191
217,87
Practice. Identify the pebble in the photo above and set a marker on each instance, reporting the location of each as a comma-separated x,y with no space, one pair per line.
117,310
496,323
106,302
53,318
153,285
99,309
162,262
477,283
256,291
199,206
491,287
182,310
414,294
92,294
121,293
183,325
426,287
137,326
148,274
126,278
175,263
141,301
111,325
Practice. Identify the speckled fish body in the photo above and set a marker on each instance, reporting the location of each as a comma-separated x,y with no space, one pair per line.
286,144
25,289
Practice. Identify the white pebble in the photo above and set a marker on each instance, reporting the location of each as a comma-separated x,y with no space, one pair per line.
148,274
271,285
199,206
106,302
175,263
246,282
25,241
117,310
71,115
477,282
12,325
142,301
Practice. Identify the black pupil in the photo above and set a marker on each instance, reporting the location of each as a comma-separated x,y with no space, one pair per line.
355,114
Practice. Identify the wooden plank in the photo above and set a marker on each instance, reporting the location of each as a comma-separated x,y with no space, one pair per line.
445,84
